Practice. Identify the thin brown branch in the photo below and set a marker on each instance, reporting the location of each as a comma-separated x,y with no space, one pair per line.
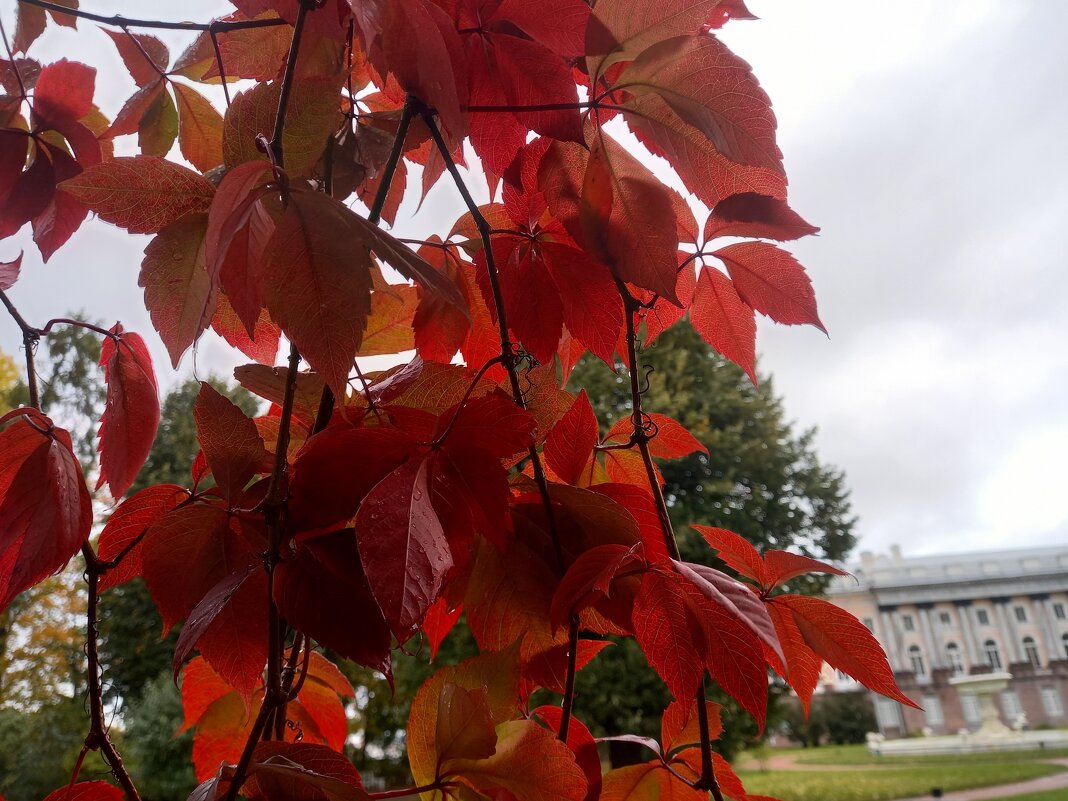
30,338
11,58
274,505
219,63
509,361
639,436
707,781
97,739
119,21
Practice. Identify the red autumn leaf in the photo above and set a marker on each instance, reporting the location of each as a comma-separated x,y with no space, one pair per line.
589,578
569,448
802,667
131,411
145,56
402,546
735,551
582,745
337,468
416,41
63,93
302,772
772,282
229,439
781,566
180,294
645,781
667,635
696,82
322,589
637,240
530,763
270,383
724,320
761,216
679,726
204,614
86,791
261,346
45,509
843,642
616,30
318,283
142,193
438,623
126,527
670,439
9,273
200,127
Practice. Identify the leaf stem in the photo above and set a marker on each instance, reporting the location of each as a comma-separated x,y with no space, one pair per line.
326,400
509,361
14,64
97,738
30,337
407,791
219,63
274,504
707,781
640,437
119,21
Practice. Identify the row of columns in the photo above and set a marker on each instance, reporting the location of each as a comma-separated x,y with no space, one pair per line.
1011,647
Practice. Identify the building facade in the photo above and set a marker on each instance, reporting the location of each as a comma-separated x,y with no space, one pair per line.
961,614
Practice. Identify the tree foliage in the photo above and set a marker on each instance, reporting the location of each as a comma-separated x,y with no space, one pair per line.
398,498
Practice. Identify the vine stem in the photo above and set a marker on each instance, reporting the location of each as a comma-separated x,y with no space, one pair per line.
641,438
119,21
326,400
508,359
97,739
274,506
11,58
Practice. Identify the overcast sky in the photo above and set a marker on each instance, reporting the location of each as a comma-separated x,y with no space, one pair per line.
927,139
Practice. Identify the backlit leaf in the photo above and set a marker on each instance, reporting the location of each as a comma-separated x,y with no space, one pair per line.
142,193
131,410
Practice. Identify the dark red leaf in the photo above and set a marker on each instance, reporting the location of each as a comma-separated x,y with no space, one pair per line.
45,509
322,589
569,448
131,412
402,546
229,439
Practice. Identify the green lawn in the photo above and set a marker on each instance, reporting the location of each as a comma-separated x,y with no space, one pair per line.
859,755
883,784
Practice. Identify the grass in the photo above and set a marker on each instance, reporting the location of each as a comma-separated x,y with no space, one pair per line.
859,755
883,784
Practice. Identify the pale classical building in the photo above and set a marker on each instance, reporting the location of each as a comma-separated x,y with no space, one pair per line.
950,615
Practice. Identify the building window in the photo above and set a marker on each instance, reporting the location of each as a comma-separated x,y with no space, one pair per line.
983,617
1064,641
1058,611
954,658
970,706
917,660
887,713
993,656
1051,702
1021,614
1010,705
932,708
907,624
1031,651
944,619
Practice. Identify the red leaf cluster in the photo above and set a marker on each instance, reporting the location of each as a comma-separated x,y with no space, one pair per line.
367,509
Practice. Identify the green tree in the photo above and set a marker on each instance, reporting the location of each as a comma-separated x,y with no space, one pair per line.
760,478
